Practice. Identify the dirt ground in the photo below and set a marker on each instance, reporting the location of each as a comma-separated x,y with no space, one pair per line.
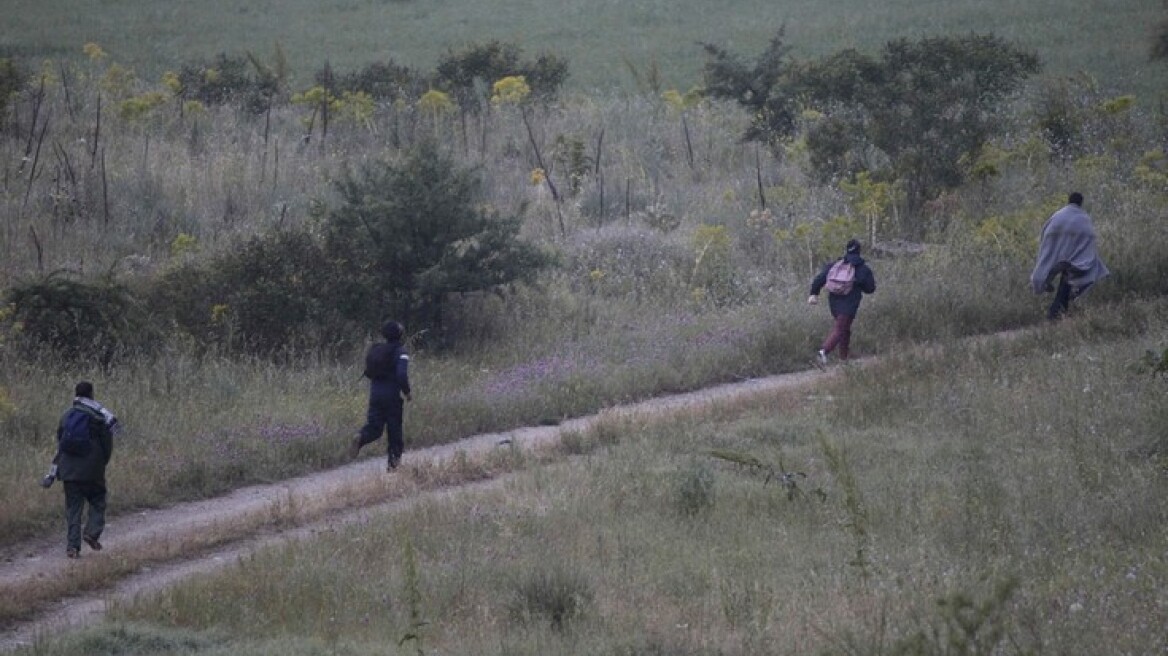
170,544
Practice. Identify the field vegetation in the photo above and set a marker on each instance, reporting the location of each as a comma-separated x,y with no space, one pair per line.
1005,497
215,242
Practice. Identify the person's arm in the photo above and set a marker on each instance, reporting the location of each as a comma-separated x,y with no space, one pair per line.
104,437
868,284
403,374
817,284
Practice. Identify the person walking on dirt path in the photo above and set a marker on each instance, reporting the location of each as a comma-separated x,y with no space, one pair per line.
1067,251
387,368
84,446
847,280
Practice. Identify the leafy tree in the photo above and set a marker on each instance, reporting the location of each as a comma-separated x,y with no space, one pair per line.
919,113
927,106
950,88
409,234
757,86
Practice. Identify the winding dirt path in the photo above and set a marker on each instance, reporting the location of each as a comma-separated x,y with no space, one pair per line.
149,550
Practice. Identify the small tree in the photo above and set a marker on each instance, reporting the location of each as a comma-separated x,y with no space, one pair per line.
758,87
409,234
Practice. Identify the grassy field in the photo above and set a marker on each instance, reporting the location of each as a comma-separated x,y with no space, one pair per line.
597,38
995,499
1026,476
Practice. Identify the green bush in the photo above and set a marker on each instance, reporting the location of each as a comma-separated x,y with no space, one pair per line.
387,81
78,321
467,72
244,81
555,595
272,293
12,79
408,235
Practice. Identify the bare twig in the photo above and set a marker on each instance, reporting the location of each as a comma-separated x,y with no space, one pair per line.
758,175
40,251
96,137
547,174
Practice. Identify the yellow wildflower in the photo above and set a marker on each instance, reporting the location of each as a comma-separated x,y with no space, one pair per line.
93,51
510,90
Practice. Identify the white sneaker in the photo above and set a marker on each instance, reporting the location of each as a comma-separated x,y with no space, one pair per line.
821,358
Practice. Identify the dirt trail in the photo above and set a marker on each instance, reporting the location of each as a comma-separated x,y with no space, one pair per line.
173,540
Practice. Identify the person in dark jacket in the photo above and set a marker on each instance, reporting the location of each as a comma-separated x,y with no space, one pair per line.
843,306
387,368
83,476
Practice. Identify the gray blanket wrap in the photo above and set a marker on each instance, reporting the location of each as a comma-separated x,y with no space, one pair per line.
1068,244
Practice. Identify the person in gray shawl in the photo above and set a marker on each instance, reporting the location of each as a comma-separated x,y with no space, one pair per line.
1067,252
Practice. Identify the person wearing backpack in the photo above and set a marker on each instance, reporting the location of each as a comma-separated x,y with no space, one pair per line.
387,368
1067,251
84,446
846,281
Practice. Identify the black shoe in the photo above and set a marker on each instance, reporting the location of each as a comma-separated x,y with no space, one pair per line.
393,463
73,553
354,447
92,542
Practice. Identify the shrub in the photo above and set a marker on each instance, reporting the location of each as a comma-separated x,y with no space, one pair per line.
695,491
556,596
78,321
409,234
478,66
12,80
245,81
385,81
272,293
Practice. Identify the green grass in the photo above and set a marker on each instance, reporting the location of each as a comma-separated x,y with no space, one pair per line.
1002,498
596,38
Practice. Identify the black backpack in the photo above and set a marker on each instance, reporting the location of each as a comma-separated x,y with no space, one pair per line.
76,439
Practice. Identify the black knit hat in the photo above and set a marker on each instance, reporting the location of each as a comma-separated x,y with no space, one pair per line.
853,247
392,331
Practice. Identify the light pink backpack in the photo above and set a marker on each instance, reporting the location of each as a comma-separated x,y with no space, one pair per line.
840,278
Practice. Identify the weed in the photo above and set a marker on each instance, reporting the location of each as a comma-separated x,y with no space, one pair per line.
554,594
694,493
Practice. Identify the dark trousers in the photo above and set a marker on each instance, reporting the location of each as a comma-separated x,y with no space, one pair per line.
385,415
77,494
1064,293
840,336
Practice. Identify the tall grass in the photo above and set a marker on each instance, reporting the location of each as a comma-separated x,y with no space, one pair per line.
638,308
198,425
1009,498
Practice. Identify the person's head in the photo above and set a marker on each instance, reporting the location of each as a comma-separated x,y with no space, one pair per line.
1075,198
84,389
392,331
853,247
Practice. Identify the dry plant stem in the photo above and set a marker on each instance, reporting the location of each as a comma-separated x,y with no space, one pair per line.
547,175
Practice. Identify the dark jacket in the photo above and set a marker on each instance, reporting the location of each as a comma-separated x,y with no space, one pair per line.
387,366
89,468
849,304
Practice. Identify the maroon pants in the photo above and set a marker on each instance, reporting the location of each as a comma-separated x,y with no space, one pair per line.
840,336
